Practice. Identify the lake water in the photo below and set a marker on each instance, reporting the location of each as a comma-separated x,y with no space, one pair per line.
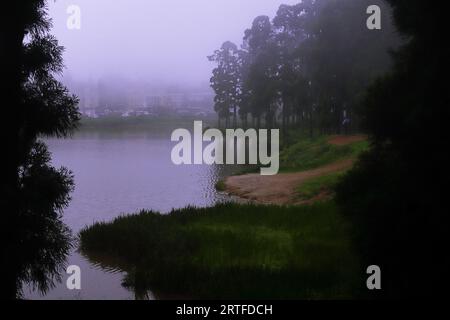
120,174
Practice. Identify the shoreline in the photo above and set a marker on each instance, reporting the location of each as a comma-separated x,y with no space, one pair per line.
279,189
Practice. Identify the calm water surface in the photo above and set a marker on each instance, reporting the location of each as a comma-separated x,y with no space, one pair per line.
122,174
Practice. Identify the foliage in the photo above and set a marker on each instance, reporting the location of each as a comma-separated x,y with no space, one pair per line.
34,240
311,154
226,80
309,66
232,251
395,194
220,186
319,185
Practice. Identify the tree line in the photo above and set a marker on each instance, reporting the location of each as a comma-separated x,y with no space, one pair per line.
306,68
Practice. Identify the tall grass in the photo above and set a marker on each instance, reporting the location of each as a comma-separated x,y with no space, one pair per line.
232,251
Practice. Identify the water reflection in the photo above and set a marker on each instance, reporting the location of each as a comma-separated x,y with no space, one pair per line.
120,174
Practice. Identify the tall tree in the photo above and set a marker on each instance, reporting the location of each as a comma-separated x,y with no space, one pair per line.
347,56
33,194
226,80
291,32
260,81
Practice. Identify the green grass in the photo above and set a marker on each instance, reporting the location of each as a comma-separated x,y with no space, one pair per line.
232,251
311,154
317,186
220,186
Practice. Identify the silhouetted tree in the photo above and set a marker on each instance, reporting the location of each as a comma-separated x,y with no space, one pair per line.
34,240
226,80
396,195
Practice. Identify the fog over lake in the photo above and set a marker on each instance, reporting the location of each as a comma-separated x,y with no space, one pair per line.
158,41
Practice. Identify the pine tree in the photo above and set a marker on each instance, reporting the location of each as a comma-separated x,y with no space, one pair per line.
33,194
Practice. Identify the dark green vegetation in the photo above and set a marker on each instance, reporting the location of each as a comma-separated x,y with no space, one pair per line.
220,186
307,68
320,185
397,194
33,194
306,154
233,251
313,153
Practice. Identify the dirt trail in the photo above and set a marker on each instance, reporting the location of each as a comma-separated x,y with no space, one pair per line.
279,189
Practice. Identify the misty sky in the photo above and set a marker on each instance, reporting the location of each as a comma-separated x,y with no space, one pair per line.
154,40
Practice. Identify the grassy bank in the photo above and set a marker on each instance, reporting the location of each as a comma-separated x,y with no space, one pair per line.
220,186
323,185
232,251
314,153
310,154
306,154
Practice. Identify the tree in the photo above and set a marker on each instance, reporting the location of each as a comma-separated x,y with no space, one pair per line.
396,195
349,56
260,82
291,35
34,241
226,80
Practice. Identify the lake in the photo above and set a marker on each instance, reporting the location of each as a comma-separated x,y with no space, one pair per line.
119,174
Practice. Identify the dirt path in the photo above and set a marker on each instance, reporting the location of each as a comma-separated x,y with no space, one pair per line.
279,189
343,140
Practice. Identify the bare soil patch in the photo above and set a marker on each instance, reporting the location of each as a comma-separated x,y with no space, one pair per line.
279,189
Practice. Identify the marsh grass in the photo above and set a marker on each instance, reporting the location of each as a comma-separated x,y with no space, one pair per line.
233,251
